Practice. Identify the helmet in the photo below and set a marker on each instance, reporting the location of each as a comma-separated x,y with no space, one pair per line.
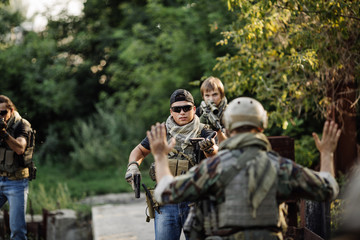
244,111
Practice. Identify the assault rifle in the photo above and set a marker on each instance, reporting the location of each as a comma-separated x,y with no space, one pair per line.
2,123
211,111
137,185
2,126
197,150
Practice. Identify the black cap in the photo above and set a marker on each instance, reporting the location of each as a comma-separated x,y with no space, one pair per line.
181,95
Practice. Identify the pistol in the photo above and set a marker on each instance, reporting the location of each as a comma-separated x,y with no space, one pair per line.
137,185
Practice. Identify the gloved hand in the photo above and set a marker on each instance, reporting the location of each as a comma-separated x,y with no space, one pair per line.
3,124
133,168
3,134
207,145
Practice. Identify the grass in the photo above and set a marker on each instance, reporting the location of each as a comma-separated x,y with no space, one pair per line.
55,187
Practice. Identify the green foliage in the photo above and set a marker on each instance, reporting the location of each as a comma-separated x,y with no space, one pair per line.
103,141
56,187
290,54
9,21
57,198
306,153
160,52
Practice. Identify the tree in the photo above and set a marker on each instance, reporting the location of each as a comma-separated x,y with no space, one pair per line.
297,56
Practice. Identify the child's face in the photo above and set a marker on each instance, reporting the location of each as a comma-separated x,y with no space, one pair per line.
212,96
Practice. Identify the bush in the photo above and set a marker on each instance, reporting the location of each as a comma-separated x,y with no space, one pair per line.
105,140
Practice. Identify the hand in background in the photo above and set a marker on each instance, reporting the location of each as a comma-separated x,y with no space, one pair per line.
329,139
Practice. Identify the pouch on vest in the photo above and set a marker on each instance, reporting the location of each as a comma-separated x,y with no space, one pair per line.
183,166
2,154
9,158
178,167
151,205
28,154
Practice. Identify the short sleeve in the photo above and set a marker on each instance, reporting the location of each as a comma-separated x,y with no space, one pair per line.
145,143
22,130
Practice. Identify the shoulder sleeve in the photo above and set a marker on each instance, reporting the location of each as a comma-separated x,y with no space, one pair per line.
22,130
145,143
296,181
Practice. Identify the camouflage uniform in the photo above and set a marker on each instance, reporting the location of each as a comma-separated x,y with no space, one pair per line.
214,180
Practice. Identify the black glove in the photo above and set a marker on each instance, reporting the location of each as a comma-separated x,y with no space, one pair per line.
3,124
3,134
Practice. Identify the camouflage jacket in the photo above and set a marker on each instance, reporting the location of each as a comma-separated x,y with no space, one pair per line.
293,180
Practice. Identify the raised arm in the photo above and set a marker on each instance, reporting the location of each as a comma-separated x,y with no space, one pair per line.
327,146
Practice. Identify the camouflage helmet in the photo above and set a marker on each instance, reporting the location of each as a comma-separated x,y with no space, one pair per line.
244,111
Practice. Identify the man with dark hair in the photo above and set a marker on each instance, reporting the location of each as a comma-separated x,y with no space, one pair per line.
240,188
14,173
182,125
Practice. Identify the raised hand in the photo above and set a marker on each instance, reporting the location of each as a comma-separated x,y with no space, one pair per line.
329,139
327,146
158,141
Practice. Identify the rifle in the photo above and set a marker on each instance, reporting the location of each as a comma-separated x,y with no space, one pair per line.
195,143
211,112
137,185
2,123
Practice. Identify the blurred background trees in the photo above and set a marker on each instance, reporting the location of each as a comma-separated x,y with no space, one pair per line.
91,85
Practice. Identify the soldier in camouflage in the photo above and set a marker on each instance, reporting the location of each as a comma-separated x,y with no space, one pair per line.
242,186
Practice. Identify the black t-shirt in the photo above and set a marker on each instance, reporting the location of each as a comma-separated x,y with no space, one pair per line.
204,134
21,130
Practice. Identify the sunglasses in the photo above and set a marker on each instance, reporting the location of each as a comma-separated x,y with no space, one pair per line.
3,112
185,108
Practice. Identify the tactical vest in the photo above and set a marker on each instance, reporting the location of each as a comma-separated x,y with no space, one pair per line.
236,211
11,162
181,160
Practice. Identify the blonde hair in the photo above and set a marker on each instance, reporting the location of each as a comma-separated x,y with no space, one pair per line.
211,84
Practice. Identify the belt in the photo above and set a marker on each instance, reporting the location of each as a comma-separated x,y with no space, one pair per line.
19,174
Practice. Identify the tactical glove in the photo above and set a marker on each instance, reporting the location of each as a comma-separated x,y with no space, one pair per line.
206,145
3,134
3,124
133,168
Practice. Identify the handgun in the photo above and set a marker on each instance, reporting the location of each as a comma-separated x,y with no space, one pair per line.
137,180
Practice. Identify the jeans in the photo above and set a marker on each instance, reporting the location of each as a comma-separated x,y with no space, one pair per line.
16,192
170,221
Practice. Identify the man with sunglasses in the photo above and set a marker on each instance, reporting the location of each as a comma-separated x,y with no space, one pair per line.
14,140
182,125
